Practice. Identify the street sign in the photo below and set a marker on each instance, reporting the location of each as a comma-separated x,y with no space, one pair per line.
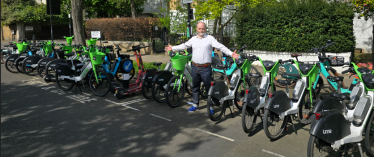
187,1
95,34
156,28
29,28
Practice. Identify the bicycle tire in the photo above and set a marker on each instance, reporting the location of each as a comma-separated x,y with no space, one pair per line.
40,68
10,66
19,62
171,92
302,114
28,70
238,100
249,118
218,109
147,89
158,92
4,56
314,146
270,117
94,85
61,83
369,135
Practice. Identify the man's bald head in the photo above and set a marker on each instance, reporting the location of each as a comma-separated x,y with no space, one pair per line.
201,29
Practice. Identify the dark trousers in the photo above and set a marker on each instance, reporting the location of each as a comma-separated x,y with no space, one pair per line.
200,74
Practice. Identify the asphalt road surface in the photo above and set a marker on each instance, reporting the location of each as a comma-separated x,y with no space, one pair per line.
37,119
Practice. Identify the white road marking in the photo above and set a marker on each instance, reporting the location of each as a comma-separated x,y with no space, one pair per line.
272,153
126,103
160,117
226,138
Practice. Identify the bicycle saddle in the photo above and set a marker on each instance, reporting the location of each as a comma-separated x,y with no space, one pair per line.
285,82
292,75
157,64
368,79
340,96
304,68
268,65
335,79
364,70
296,54
255,74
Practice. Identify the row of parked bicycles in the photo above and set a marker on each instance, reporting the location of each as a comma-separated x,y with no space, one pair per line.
337,120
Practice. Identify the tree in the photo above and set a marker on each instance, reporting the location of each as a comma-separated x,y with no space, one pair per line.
77,18
112,8
29,12
365,8
212,10
176,21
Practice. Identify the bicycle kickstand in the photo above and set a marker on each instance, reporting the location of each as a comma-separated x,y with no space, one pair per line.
293,126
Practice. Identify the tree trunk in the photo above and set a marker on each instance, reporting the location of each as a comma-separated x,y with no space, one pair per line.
215,26
132,8
77,18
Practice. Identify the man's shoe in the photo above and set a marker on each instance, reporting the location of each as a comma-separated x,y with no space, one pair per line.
193,108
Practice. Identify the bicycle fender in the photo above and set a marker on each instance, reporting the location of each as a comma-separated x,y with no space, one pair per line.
163,77
148,77
252,99
331,127
32,60
278,103
327,103
218,90
13,57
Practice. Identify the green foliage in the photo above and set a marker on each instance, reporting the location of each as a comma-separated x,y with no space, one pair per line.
147,66
111,8
297,26
176,21
364,7
28,11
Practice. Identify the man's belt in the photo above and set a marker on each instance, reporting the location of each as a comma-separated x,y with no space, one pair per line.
201,65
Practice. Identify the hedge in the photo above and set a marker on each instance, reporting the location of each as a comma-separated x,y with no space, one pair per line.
123,29
297,26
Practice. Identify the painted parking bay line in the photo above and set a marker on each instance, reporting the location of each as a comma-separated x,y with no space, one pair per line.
272,153
160,117
226,138
126,103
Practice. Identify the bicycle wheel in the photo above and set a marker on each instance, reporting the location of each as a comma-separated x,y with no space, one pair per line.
118,75
273,124
248,118
305,108
254,81
4,56
147,89
175,91
318,147
203,92
63,84
100,87
188,88
19,63
10,66
40,68
215,109
28,70
50,73
158,92
369,136
239,93
280,74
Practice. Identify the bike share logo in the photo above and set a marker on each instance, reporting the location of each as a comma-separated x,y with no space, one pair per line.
160,79
253,100
150,77
52,65
290,69
28,61
276,106
216,93
127,66
327,131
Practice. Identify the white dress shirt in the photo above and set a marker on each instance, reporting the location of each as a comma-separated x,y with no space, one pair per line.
202,48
